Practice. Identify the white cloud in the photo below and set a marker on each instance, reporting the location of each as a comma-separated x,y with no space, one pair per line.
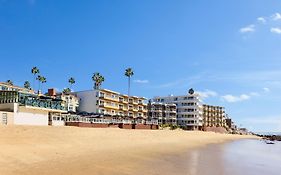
249,28
266,89
141,81
232,99
275,30
207,93
261,19
276,16
254,94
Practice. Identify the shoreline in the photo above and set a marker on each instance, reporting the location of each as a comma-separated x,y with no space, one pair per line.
71,150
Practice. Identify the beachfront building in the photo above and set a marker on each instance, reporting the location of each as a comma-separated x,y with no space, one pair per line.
109,103
71,100
189,109
214,118
163,112
8,87
21,108
231,127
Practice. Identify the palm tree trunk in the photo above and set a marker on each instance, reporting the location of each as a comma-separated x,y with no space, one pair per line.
34,78
129,86
39,87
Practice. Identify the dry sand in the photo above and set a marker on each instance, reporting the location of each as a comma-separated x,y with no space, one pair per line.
70,150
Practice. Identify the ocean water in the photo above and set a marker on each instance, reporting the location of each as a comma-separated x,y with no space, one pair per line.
243,157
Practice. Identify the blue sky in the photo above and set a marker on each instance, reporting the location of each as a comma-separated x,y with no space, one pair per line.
229,51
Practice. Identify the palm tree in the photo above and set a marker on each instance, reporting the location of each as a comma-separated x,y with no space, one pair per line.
129,73
34,71
71,81
98,79
66,91
27,85
41,80
10,82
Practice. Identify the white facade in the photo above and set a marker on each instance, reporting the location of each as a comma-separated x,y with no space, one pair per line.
111,103
189,109
22,118
71,102
25,116
88,101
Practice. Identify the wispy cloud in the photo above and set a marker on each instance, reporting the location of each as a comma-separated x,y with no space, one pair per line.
275,30
261,20
264,78
265,89
243,97
141,81
247,29
232,99
207,93
265,20
276,17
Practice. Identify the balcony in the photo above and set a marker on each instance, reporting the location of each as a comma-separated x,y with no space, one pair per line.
108,106
109,97
32,100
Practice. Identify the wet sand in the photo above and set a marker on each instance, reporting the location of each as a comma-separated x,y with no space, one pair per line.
70,150
240,157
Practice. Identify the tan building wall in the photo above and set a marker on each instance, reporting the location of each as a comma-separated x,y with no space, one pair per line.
214,116
113,103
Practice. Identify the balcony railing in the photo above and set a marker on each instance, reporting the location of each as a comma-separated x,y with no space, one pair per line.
31,100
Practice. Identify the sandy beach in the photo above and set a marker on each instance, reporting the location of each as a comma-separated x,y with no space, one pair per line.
70,150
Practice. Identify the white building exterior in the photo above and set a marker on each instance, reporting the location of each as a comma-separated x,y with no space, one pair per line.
71,102
88,101
189,109
15,114
18,108
111,103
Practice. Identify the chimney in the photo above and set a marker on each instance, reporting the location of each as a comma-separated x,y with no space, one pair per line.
52,92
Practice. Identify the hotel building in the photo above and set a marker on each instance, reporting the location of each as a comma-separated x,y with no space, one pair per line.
164,113
189,109
112,104
214,116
